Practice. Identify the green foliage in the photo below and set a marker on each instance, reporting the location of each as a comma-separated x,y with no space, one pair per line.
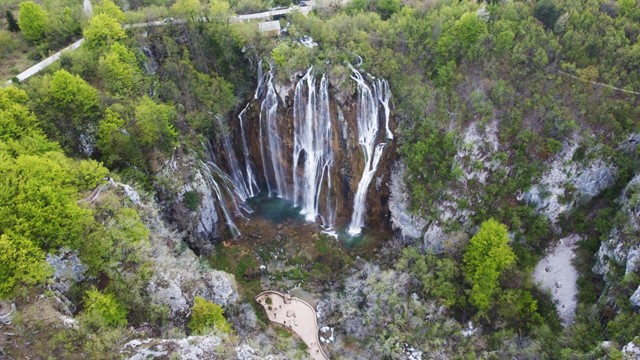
519,308
102,31
118,147
206,317
103,310
154,124
32,21
16,121
438,275
109,8
63,27
12,24
74,97
429,160
119,70
186,8
291,56
69,104
21,264
547,12
191,200
39,198
386,8
457,40
487,255
219,10
356,6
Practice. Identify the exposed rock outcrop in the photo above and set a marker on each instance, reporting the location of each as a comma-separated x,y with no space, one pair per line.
566,182
622,246
406,224
191,348
202,225
179,276
67,269
635,298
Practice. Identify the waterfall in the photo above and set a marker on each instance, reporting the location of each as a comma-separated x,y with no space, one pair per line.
384,95
151,65
368,122
312,150
252,183
242,186
225,190
274,171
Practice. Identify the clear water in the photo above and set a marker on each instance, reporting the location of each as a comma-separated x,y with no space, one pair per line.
273,208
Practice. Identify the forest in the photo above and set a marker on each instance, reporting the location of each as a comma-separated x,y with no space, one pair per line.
516,134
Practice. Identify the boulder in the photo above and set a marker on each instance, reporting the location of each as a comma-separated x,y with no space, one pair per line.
67,269
635,298
631,351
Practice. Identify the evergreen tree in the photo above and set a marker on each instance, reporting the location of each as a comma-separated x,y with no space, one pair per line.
12,23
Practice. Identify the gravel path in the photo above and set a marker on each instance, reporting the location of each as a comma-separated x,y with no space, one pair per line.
295,314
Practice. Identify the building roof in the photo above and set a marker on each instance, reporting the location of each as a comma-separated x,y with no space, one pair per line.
268,26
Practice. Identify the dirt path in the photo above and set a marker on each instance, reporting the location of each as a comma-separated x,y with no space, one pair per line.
295,314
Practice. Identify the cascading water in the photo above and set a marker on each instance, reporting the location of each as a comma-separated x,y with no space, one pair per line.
252,183
243,187
384,95
274,170
312,149
224,189
368,133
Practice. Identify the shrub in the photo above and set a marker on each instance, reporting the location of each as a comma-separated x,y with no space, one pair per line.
103,310
207,316
191,200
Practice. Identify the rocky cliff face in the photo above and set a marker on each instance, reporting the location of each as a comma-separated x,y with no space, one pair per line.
622,247
331,158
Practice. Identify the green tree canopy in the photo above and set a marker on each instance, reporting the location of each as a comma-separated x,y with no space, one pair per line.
21,264
219,10
119,71
103,310
102,31
465,32
487,255
547,12
186,8
206,317
154,124
15,118
108,7
386,8
32,21
69,104
116,143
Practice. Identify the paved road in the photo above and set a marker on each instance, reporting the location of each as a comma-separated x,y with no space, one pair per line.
87,7
46,62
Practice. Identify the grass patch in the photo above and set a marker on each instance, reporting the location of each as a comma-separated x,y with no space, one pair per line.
242,264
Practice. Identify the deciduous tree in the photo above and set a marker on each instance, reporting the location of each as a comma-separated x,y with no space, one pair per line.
32,21
487,255
103,30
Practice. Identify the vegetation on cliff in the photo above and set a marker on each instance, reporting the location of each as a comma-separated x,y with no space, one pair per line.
128,102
